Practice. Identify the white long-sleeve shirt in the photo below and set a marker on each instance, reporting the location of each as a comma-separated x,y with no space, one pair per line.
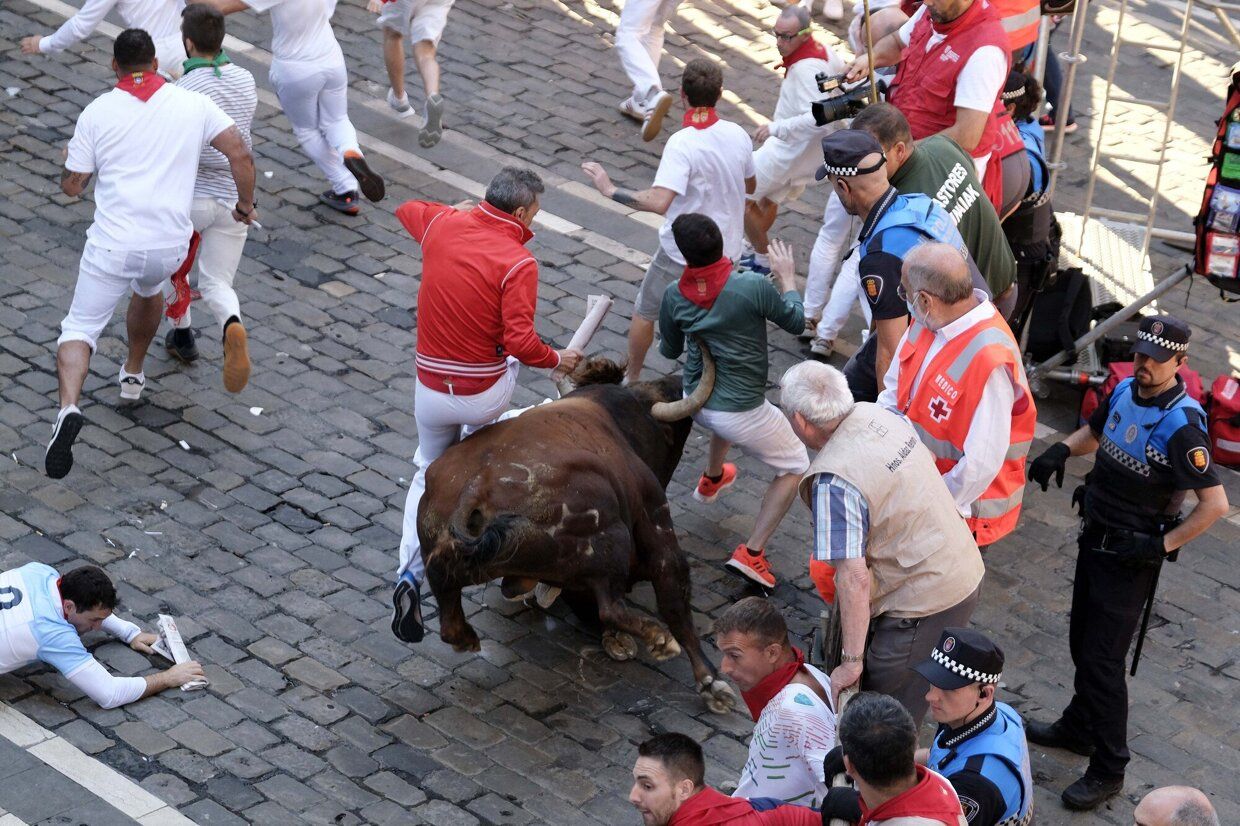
161,19
990,431
796,140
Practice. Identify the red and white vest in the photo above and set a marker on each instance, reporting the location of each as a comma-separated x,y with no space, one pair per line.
942,408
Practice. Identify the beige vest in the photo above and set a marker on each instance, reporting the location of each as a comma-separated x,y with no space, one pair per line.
921,555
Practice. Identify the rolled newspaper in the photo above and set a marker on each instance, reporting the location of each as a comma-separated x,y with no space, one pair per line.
171,646
596,309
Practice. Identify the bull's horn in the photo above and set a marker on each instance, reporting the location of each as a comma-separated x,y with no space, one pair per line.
564,385
686,407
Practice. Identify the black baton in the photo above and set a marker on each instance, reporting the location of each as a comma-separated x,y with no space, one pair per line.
1145,621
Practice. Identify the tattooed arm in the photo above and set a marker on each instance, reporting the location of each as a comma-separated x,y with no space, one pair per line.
74,183
656,199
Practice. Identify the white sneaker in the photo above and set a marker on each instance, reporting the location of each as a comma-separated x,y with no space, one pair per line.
631,110
399,106
131,384
810,331
652,124
821,348
833,10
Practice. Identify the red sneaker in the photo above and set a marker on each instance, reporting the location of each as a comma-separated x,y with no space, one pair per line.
752,566
823,577
707,491
1048,124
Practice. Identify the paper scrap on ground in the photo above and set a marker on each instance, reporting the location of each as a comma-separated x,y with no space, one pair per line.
254,411
171,647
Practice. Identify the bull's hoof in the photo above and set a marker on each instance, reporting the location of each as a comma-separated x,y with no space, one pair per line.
719,697
663,646
464,641
619,645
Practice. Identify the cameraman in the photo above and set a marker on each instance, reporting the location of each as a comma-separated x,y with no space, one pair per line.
1151,448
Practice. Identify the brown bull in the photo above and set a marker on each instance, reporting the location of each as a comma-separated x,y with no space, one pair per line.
572,495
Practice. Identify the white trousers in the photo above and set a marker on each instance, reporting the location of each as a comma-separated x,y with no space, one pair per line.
219,253
315,101
829,262
639,42
104,278
443,420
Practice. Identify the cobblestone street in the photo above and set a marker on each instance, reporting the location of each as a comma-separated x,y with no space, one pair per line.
268,522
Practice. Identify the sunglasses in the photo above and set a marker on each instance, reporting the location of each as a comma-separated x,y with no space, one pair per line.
793,36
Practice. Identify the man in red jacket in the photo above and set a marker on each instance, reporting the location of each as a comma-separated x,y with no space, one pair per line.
669,789
475,328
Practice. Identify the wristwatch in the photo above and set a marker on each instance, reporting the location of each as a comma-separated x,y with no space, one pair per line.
851,658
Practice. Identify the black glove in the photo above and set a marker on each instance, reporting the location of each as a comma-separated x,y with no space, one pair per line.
1147,550
833,763
1078,500
841,802
1052,462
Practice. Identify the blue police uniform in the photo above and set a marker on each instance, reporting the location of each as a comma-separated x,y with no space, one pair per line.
1149,449
991,750
895,225
1034,137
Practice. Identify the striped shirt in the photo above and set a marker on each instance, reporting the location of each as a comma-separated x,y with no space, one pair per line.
841,519
234,92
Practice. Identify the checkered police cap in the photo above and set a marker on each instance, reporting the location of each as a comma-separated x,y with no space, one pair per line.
964,656
1161,337
963,670
845,149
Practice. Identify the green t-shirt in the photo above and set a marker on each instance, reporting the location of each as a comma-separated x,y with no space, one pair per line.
734,328
941,169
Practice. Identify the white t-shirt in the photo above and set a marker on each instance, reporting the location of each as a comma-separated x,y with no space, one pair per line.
145,160
161,19
707,168
792,736
301,30
981,77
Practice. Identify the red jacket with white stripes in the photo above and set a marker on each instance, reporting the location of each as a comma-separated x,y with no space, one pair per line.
476,303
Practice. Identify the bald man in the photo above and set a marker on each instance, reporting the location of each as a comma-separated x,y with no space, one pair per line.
789,153
958,378
1175,806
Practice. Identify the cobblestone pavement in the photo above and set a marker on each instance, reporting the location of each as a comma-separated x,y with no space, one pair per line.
273,535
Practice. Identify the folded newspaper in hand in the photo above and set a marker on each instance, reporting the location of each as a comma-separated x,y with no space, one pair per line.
171,647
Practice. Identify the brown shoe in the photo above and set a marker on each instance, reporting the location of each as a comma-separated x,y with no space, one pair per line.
653,124
236,358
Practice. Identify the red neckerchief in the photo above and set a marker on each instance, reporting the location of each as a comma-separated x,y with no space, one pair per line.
702,285
183,294
932,798
701,117
141,84
770,685
964,21
810,48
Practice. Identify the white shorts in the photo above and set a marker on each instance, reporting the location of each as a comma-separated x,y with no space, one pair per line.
105,276
775,180
763,433
416,19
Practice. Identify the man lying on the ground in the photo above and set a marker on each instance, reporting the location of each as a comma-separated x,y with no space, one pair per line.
42,616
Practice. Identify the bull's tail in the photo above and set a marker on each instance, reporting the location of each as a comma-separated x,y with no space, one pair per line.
499,536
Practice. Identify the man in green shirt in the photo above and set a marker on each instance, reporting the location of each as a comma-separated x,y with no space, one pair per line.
938,167
728,310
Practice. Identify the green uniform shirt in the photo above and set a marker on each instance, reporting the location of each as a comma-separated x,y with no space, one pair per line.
941,169
734,329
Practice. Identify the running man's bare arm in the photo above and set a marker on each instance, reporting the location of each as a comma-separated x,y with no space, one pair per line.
74,183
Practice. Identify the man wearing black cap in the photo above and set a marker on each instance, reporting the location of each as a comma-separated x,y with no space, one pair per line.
1151,445
891,225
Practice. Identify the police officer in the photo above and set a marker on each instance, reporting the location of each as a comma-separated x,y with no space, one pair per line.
980,745
892,224
1151,445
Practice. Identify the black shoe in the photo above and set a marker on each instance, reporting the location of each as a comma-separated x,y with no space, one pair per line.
1088,792
181,344
58,460
407,611
1056,736
367,179
345,202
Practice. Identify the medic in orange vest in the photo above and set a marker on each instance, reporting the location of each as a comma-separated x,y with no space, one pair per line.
958,378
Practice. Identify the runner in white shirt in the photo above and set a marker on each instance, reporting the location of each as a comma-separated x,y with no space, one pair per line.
707,167
422,22
144,139
209,71
639,43
42,616
159,18
791,143
789,700
309,76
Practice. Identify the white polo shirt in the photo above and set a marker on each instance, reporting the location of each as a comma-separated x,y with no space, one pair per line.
144,156
301,31
707,168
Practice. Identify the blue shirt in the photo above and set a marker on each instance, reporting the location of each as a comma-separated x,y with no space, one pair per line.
32,622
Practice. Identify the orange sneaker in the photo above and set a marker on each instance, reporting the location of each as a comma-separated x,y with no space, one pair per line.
823,577
707,491
752,566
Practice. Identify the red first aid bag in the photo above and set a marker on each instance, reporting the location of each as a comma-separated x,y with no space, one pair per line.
1117,371
1224,421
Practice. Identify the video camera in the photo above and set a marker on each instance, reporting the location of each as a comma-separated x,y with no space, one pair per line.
846,100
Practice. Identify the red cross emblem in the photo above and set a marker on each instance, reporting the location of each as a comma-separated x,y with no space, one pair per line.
939,409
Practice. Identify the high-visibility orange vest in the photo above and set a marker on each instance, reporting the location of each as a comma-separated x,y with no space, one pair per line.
941,411
1020,20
